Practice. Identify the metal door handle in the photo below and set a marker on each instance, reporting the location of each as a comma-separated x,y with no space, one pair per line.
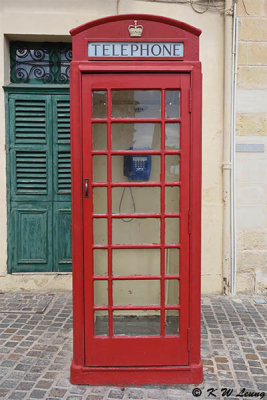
86,180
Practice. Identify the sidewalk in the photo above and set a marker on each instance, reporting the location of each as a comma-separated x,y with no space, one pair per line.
36,350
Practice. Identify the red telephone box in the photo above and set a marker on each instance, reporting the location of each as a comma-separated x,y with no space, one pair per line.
136,201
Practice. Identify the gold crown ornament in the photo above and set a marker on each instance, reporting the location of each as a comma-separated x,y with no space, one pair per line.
135,30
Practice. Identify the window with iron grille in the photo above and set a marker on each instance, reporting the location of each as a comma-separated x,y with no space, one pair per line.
33,62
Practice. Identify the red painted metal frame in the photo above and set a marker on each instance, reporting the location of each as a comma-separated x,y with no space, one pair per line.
125,374
98,350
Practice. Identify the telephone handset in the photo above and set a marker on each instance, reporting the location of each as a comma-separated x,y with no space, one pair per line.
137,167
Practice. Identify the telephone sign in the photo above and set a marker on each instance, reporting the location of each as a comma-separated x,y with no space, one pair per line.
135,49
136,201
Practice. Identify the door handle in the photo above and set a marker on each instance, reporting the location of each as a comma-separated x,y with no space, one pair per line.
86,180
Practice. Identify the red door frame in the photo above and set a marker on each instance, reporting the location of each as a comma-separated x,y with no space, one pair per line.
123,375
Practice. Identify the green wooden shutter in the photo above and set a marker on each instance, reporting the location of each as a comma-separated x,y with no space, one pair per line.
62,183
30,148
61,148
30,229
39,226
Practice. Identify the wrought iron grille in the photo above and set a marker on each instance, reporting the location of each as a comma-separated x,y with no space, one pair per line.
32,62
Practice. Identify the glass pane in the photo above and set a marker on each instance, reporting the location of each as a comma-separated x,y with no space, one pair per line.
136,103
172,136
172,261
100,200
135,199
99,132
100,262
136,292
136,231
126,322
172,103
136,136
99,99
99,168
172,168
172,230
171,322
100,231
171,292
101,322
122,173
136,262
100,293
172,199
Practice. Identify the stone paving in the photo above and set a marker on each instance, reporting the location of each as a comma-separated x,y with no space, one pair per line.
36,351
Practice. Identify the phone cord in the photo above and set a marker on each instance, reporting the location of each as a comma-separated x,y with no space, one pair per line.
134,208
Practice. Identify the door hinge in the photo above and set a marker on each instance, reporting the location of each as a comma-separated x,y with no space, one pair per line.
190,100
189,222
188,339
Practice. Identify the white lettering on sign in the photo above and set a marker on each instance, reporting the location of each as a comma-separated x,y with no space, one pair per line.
135,49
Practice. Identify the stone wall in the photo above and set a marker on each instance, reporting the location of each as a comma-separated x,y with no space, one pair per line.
251,165
51,21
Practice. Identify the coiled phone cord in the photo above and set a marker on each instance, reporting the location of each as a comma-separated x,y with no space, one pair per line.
134,207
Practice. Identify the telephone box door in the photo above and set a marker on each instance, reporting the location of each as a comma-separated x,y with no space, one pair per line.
136,153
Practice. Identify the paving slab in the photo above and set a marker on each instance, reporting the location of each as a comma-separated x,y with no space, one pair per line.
36,351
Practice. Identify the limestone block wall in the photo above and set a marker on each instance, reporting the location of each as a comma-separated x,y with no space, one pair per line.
51,21
251,162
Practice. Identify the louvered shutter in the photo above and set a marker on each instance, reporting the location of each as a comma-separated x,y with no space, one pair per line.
61,183
30,147
61,148
39,223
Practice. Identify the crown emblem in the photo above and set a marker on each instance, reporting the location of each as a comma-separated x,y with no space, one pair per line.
135,30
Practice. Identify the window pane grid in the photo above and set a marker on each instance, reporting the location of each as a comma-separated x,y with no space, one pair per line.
109,216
